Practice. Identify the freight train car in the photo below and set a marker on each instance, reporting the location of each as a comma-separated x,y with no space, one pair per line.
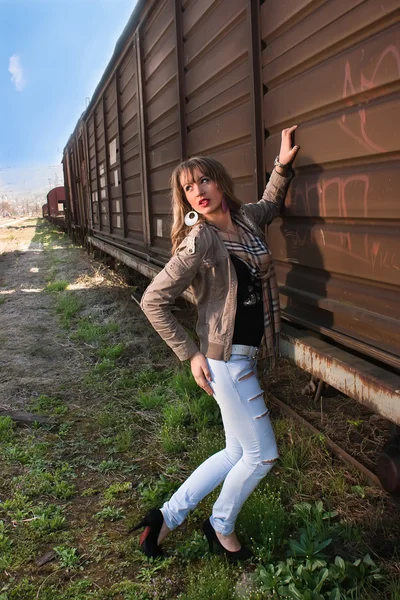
54,209
56,201
222,78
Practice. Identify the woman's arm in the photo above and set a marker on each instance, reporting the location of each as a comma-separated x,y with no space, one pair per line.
269,207
169,285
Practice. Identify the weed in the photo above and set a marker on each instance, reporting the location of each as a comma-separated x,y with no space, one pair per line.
154,494
106,466
116,489
90,332
314,520
68,557
57,286
131,591
67,307
110,513
207,443
112,353
64,428
5,548
355,422
3,300
108,418
265,523
47,518
317,580
150,400
104,366
147,573
90,492
45,403
6,430
193,548
358,490
123,441
17,508
176,415
173,440
184,384
337,483
148,378
214,581
64,490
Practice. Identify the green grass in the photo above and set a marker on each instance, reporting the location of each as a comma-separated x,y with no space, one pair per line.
48,405
89,331
152,399
67,307
213,581
56,286
6,429
125,437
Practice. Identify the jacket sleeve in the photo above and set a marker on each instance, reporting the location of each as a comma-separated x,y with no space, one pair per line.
269,207
168,285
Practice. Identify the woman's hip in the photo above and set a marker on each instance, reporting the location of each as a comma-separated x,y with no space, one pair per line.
240,397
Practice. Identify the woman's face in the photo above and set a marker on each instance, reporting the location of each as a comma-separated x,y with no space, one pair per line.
201,192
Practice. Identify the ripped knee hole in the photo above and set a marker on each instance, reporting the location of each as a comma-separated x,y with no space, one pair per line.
269,462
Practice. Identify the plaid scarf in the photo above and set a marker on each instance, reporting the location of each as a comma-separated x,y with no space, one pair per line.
251,249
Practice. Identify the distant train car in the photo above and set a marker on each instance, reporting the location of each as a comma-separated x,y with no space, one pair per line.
45,210
222,78
56,207
56,202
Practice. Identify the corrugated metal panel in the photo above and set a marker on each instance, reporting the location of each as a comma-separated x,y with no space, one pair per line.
334,68
161,127
218,88
100,141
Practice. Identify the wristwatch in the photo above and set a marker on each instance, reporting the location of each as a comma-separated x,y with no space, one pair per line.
279,164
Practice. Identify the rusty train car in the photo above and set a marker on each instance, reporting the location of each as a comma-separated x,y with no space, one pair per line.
222,78
54,209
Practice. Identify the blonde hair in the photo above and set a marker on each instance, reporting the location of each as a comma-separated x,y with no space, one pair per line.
212,169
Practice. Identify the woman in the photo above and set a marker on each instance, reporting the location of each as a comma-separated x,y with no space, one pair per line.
219,249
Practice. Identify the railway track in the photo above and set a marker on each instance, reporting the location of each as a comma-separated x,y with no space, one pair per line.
333,446
11,222
4,246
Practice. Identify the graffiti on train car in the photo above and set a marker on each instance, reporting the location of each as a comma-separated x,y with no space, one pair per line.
340,191
366,83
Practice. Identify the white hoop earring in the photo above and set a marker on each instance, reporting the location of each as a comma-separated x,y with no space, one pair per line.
191,218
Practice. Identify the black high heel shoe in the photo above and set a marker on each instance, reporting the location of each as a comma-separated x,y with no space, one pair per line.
213,542
152,523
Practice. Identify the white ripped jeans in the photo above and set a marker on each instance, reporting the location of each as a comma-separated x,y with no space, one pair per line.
249,454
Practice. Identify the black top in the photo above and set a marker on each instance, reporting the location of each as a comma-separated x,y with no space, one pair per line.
249,319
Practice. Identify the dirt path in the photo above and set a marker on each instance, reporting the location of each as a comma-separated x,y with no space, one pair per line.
34,360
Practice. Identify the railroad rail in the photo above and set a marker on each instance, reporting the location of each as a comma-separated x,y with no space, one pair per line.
16,234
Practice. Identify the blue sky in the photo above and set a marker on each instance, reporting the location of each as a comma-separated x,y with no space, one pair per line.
56,51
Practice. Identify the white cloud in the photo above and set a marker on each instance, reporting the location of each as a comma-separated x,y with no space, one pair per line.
17,73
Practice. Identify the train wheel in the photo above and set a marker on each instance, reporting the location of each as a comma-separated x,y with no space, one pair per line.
388,466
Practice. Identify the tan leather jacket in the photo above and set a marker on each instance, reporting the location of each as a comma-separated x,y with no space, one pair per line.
203,262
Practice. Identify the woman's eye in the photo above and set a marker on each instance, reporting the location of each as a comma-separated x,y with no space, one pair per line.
204,180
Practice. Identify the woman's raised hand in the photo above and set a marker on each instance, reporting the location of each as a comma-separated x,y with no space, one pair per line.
288,152
201,372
